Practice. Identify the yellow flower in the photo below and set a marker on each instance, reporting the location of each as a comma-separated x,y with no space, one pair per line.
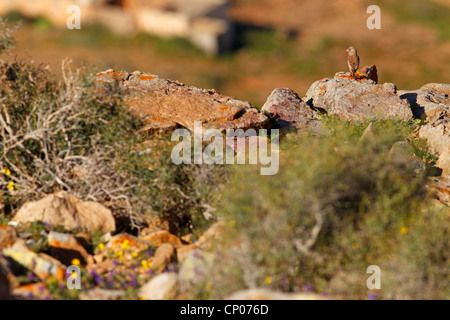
126,244
101,246
74,275
119,254
134,254
76,262
403,230
6,171
11,185
268,280
144,264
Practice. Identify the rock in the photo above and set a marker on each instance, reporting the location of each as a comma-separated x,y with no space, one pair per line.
7,270
215,232
65,248
428,100
285,106
162,287
164,255
124,241
440,187
400,149
183,251
102,294
165,105
67,211
36,290
357,100
205,242
244,143
432,102
265,294
162,236
7,236
437,133
368,134
5,287
42,265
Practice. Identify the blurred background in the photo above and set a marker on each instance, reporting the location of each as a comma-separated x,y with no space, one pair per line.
242,48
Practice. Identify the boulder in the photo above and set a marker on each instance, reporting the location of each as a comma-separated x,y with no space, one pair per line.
42,265
437,134
207,240
429,99
161,287
159,237
36,290
7,236
124,241
165,105
290,112
440,187
432,103
164,255
66,247
5,287
357,100
67,211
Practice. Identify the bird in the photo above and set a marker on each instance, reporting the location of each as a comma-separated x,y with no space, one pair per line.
352,60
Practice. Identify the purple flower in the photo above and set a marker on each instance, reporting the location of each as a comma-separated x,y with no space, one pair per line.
133,281
149,253
112,274
373,296
96,277
115,263
30,277
308,287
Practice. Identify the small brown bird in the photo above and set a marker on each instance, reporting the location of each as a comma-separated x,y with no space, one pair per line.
352,60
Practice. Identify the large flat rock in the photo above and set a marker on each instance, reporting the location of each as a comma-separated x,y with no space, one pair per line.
165,105
357,100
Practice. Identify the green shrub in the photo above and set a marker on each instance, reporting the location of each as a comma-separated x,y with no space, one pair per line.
335,208
181,194
80,137
62,136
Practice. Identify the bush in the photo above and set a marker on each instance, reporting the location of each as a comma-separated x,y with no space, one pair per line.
335,208
63,136
80,137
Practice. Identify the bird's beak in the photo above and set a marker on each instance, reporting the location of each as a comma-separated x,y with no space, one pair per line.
347,50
